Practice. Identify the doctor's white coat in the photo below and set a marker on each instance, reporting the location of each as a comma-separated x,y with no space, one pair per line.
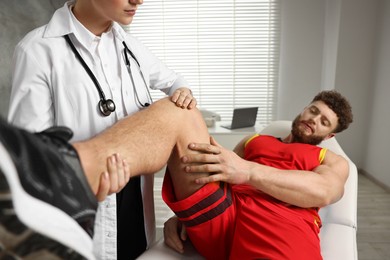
50,87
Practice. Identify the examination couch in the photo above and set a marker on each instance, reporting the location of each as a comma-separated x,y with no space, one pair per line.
338,233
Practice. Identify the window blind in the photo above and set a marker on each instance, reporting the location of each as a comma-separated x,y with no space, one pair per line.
228,50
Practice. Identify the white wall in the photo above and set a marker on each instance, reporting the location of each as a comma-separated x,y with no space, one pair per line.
302,43
354,69
377,157
342,45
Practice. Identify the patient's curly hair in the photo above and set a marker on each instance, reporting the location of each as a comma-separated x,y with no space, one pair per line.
340,105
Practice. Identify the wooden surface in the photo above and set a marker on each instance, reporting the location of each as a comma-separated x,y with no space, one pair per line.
373,221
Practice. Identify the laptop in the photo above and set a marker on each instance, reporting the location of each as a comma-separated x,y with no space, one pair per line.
243,117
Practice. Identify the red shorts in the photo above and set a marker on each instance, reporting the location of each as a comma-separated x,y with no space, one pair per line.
239,222
209,217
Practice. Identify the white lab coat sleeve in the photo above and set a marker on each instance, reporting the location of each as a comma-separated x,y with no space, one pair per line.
30,94
156,73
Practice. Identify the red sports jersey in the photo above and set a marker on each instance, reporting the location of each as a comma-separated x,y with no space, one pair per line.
270,151
239,222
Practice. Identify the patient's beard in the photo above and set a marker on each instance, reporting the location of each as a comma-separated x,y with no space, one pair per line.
299,137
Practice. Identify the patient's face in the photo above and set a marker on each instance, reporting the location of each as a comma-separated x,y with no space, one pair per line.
316,123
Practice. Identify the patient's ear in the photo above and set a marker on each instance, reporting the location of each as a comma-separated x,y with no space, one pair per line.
329,136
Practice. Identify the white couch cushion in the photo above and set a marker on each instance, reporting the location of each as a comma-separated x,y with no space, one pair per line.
338,242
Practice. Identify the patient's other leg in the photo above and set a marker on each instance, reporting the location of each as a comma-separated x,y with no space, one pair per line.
146,140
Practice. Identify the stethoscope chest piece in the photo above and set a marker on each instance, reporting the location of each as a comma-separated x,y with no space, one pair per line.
106,106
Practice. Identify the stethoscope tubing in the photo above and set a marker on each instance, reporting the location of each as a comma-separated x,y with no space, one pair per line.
106,106
88,70
127,61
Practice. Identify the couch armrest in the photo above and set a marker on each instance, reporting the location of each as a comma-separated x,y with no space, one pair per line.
343,211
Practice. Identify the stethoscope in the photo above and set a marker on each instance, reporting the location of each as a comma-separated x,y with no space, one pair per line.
107,106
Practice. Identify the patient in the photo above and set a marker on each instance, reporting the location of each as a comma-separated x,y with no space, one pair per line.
270,210
162,133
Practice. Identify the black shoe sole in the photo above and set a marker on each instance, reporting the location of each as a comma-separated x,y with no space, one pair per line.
17,241
49,170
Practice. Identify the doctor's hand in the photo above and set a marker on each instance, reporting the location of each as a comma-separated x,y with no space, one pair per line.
183,98
175,234
115,178
221,163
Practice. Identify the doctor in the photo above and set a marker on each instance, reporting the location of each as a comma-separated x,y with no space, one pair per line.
83,71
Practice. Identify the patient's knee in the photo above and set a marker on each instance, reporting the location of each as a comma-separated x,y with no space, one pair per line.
171,109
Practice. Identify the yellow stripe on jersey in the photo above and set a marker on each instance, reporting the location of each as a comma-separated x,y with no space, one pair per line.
322,154
250,139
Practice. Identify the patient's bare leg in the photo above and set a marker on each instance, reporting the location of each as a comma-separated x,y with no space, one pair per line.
146,140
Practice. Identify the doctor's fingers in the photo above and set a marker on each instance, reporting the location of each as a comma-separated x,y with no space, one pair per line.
188,100
192,103
183,98
123,173
104,187
178,97
113,173
119,173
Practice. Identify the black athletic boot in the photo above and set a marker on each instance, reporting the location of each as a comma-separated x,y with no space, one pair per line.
47,209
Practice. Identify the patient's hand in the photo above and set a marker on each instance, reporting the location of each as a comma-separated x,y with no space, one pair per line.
115,178
222,164
174,234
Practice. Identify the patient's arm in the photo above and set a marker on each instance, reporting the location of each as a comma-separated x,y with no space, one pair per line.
320,187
